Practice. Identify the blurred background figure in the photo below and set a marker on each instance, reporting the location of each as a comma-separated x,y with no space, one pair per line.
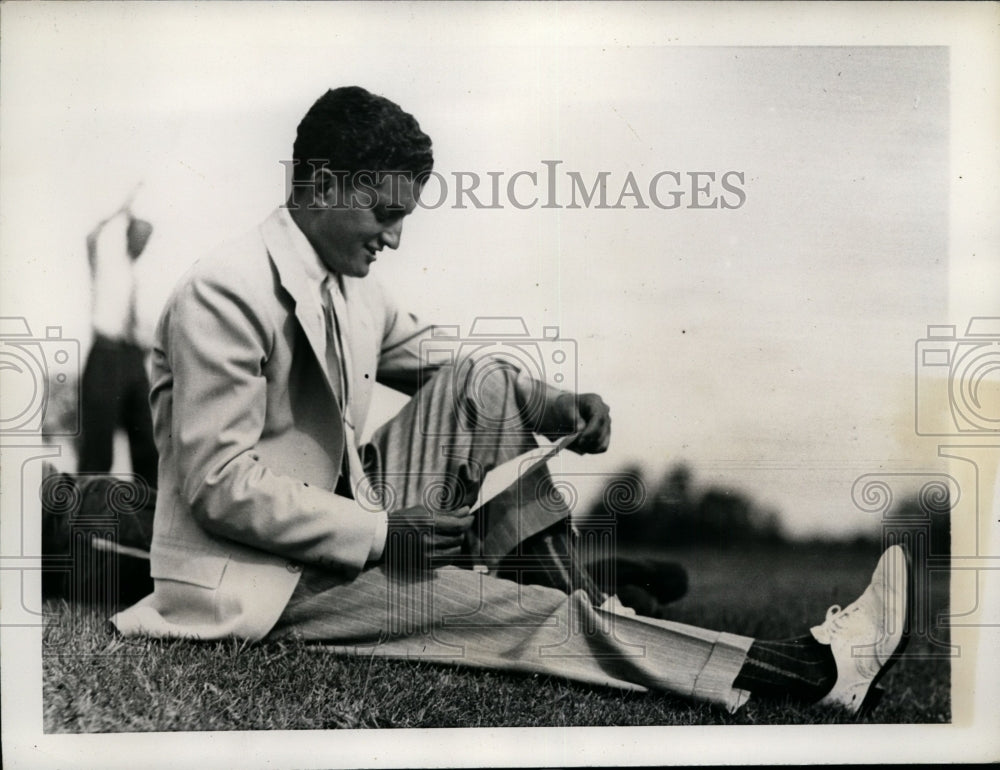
115,387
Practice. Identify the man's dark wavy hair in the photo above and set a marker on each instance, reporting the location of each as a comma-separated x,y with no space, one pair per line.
352,130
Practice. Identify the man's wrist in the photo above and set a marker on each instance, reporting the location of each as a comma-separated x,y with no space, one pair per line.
554,418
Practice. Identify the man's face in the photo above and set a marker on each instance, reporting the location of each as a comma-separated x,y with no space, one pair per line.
356,225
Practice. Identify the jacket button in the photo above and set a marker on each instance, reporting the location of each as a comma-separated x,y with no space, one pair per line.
293,567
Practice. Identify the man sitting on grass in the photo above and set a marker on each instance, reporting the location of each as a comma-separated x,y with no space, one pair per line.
272,521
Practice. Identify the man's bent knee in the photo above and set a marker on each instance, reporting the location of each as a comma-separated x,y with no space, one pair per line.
487,396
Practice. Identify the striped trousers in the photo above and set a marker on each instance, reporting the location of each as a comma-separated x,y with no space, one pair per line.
435,452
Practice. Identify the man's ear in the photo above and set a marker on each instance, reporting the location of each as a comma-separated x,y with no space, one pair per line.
329,188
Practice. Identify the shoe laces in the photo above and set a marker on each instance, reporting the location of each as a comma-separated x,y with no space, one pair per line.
836,620
836,617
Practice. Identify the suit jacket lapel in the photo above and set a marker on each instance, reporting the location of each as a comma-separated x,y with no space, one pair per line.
293,278
360,334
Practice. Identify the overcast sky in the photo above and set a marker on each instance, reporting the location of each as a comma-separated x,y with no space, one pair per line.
769,346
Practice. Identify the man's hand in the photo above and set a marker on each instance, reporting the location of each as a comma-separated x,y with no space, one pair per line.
586,414
418,535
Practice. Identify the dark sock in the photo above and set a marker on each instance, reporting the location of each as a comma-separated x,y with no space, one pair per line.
549,558
653,582
801,669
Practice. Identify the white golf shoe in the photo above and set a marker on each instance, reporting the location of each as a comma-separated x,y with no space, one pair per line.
867,636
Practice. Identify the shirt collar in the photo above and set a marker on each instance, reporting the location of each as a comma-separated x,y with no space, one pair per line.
314,268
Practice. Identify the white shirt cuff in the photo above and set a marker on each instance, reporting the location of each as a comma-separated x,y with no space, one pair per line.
378,538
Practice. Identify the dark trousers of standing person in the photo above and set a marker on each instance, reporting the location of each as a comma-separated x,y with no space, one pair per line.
115,392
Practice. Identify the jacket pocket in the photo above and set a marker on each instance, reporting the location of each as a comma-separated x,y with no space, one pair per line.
188,566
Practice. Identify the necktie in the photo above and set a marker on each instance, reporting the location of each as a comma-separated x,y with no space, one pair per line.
334,366
339,367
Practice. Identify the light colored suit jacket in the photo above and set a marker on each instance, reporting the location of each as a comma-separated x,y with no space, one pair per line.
251,438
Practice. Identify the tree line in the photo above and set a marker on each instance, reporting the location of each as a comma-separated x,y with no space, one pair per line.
674,511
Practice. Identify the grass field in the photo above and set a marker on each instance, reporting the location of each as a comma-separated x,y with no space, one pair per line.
96,682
